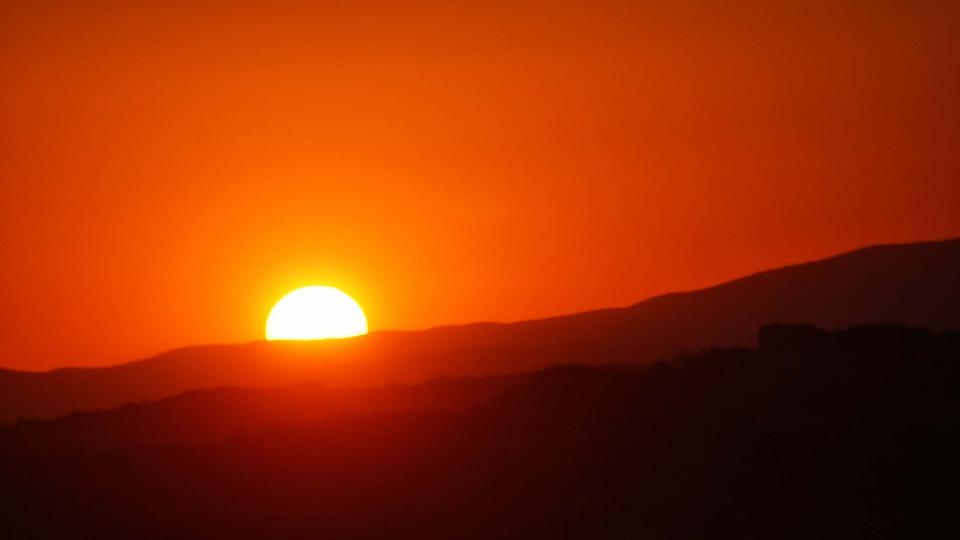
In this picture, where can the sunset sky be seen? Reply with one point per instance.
(169, 170)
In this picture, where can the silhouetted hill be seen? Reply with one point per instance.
(204, 416)
(844, 434)
(914, 283)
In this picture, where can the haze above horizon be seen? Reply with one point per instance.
(168, 172)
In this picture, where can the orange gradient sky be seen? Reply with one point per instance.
(168, 170)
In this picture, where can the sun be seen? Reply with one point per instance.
(315, 312)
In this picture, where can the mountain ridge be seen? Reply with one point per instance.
(495, 324)
(915, 283)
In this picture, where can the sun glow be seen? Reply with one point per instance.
(315, 312)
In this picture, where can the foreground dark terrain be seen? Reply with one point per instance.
(845, 434)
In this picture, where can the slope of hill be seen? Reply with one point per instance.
(845, 434)
(204, 416)
(913, 283)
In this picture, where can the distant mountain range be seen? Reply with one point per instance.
(917, 284)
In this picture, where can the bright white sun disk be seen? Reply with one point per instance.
(316, 312)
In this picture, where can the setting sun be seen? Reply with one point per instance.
(315, 312)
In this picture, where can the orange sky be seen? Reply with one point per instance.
(169, 169)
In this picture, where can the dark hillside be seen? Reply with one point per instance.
(843, 434)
